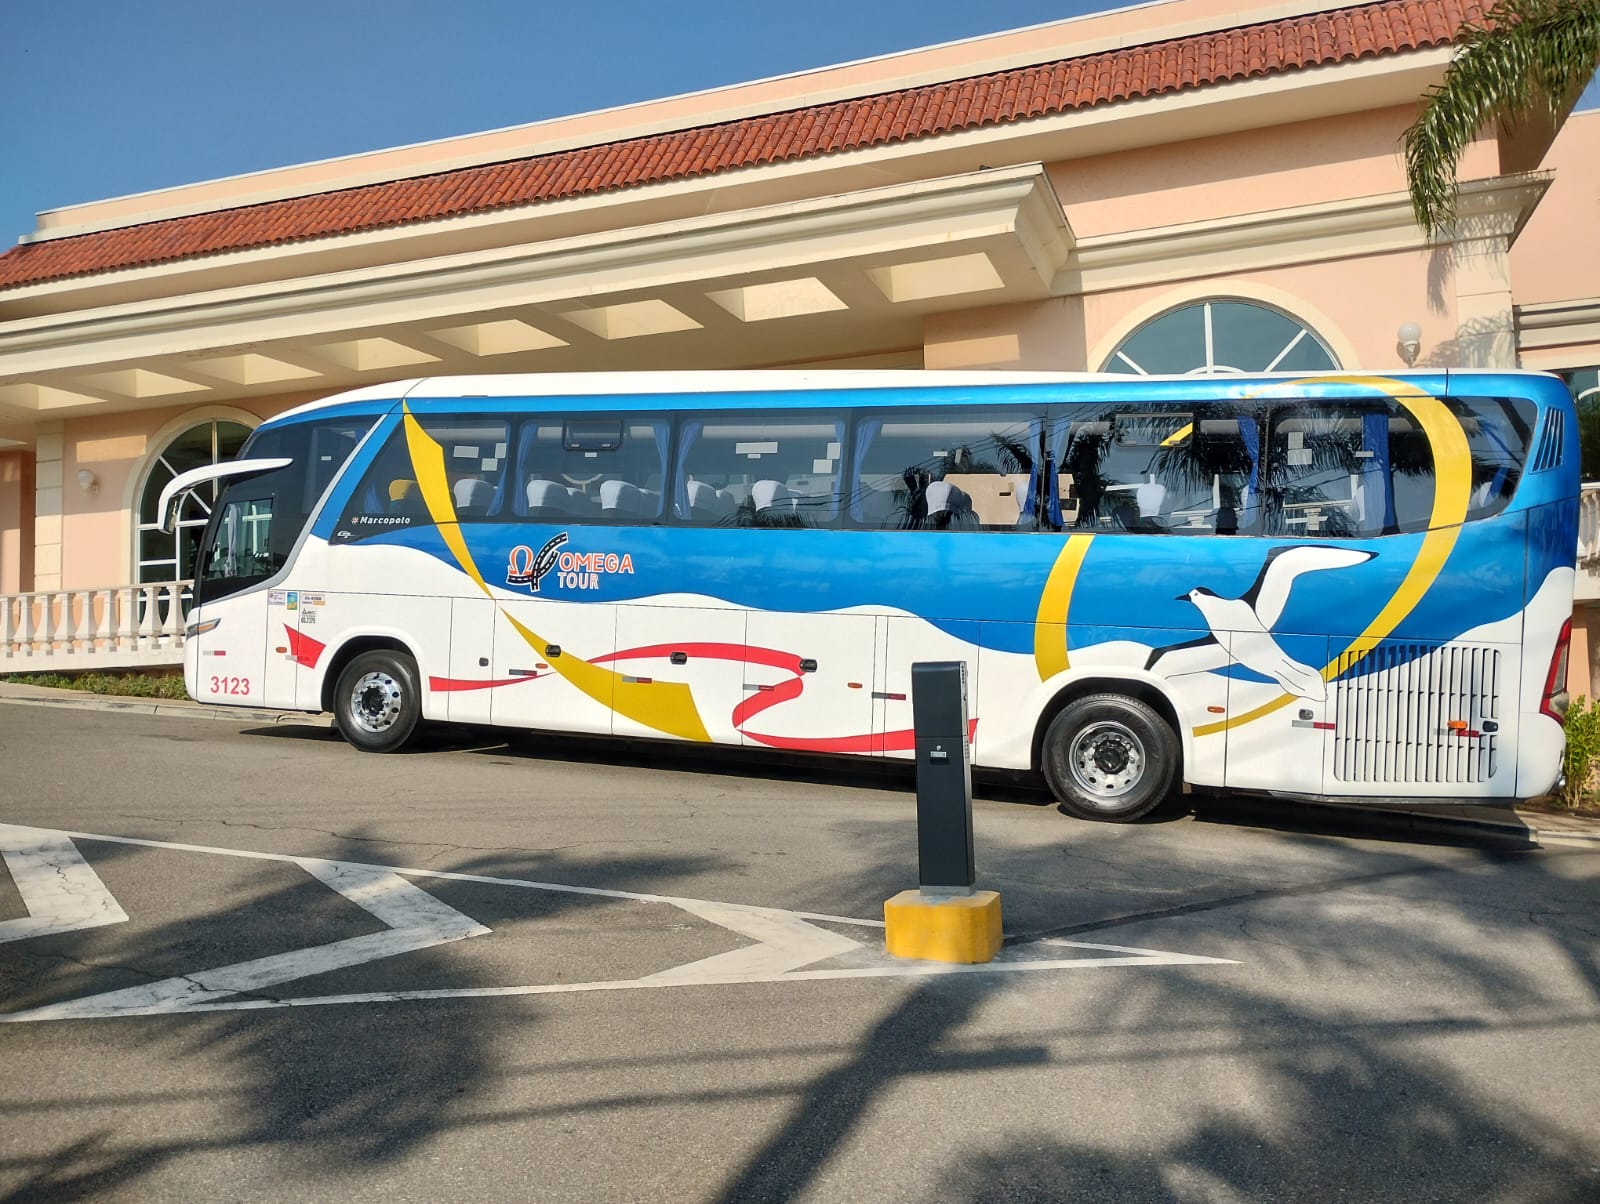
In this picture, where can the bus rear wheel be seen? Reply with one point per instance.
(1109, 757)
(377, 702)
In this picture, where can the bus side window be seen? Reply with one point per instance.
(759, 471)
(1133, 470)
(591, 469)
(474, 450)
(387, 496)
(1346, 469)
(1498, 432)
(946, 471)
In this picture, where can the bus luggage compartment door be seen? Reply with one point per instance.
(808, 682)
(910, 640)
(697, 653)
(1277, 725)
(557, 653)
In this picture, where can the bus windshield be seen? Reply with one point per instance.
(259, 519)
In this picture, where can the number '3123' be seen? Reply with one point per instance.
(230, 685)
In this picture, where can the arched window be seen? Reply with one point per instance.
(159, 556)
(1585, 386)
(1221, 335)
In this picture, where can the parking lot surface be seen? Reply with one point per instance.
(240, 960)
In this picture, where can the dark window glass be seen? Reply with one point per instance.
(259, 520)
(1348, 468)
(590, 469)
(765, 471)
(473, 452)
(946, 471)
(1499, 431)
(1220, 335)
(1187, 471)
(1345, 469)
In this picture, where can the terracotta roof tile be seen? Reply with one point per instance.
(1388, 27)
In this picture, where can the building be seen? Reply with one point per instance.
(1175, 187)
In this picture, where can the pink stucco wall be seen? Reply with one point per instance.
(1355, 305)
(1254, 171)
(16, 521)
(1544, 264)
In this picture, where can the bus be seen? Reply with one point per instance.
(1343, 586)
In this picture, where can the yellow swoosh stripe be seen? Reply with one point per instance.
(1049, 641)
(665, 706)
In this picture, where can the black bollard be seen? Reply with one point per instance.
(944, 777)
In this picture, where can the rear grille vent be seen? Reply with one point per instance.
(1393, 715)
(1548, 454)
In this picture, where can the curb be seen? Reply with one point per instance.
(1519, 826)
(72, 700)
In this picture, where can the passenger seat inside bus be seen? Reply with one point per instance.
(474, 498)
(547, 499)
(948, 507)
(619, 499)
(708, 504)
(768, 497)
(405, 498)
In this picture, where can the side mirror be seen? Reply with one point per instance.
(186, 482)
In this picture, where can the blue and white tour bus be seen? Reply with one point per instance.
(1338, 586)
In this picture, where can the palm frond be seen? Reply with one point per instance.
(1523, 58)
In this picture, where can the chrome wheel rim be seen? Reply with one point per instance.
(375, 702)
(1107, 760)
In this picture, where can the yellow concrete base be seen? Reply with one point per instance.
(960, 928)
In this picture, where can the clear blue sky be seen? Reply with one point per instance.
(101, 98)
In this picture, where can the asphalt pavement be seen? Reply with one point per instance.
(1535, 825)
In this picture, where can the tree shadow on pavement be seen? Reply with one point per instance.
(1380, 1038)
(285, 1095)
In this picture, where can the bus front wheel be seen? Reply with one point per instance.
(1109, 757)
(378, 702)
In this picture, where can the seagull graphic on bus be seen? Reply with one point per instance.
(1248, 621)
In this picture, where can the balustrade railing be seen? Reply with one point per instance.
(1589, 524)
(116, 626)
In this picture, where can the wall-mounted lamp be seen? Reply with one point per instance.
(1409, 342)
(87, 481)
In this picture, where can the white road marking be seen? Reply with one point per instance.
(415, 918)
(785, 944)
(59, 890)
(384, 893)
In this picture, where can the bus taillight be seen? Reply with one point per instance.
(1554, 701)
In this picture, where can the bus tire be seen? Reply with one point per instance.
(377, 702)
(1109, 757)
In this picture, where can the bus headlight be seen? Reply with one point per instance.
(194, 629)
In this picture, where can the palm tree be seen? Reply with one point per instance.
(1522, 58)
